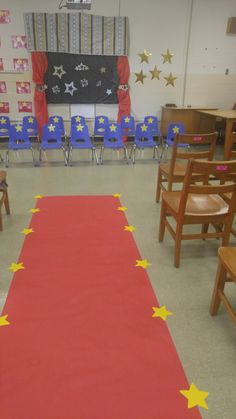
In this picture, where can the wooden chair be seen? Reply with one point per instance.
(174, 171)
(232, 156)
(226, 272)
(4, 195)
(201, 203)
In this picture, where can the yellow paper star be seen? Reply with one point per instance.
(129, 228)
(175, 130)
(51, 128)
(144, 56)
(127, 119)
(117, 195)
(34, 210)
(143, 263)
(195, 396)
(161, 312)
(79, 127)
(150, 120)
(56, 119)
(4, 321)
(16, 267)
(167, 57)
(144, 128)
(3, 120)
(140, 76)
(122, 208)
(30, 120)
(170, 79)
(155, 73)
(27, 231)
(18, 128)
(112, 128)
(101, 120)
(38, 196)
(78, 119)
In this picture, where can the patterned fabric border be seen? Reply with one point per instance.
(77, 33)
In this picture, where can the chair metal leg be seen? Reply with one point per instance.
(7, 158)
(32, 151)
(101, 155)
(65, 155)
(94, 153)
(69, 156)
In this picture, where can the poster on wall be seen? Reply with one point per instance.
(18, 41)
(3, 87)
(5, 16)
(24, 106)
(23, 87)
(1, 64)
(21, 64)
(4, 107)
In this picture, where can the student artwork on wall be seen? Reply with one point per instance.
(5, 16)
(1, 64)
(23, 87)
(21, 64)
(4, 107)
(18, 41)
(3, 87)
(24, 106)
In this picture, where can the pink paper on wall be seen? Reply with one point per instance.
(18, 41)
(21, 64)
(24, 106)
(5, 16)
(4, 107)
(1, 64)
(23, 87)
(3, 87)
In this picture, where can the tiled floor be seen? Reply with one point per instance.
(206, 345)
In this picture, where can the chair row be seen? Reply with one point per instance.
(52, 139)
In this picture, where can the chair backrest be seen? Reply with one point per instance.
(113, 136)
(222, 170)
(4, 125)
(18, 137)
(127, 125)
(30, 124)
(172, 130)
(152, 121)
(143, 136)
(57, 120)
(80, 136)
(100, 123)
(78, 119)
(232, 153)
(51, 136)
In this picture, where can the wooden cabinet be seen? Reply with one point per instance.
(189, 117)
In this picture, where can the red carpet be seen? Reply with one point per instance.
(82, 342)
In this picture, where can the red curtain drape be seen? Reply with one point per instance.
(39, 66)
(123, 91)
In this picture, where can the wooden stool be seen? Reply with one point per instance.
(4, 195)
(226, 272)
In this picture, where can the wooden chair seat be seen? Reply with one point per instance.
(226, 272)
(200, 205)
(4, 195)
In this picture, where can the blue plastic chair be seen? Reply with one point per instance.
(52, 140)
(4, 126)
(100, 123)
(18, 140)
(31, 125)
(77, 119)
(113, 140)
(58, 121)
(80, 139)
(144, 139)
(128, 125)
(172, 130)
(152, 122)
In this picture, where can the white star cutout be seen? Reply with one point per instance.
(58, 71)
(70, 88)
(109, 92)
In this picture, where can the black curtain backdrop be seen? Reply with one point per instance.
(72, 78)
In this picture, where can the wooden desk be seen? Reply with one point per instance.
(188, 116)
(230, 118)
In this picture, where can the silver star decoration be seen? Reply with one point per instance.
(70, 88)
(103, 70)
(109, 92)
(59, 71)
(56, 89)
(99, 83)
(81, 67)
(84, 82)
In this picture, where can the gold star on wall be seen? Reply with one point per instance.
(129, 228)
(170, 80)
(144, 56)
(155, 73)
(140, 76)
(143, 263)
(195, 396)
(161, 312)
(167, 57)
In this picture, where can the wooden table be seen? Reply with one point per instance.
(230, 118)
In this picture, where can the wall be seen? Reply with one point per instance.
(198, 65)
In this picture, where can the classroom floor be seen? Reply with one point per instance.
(205, 344)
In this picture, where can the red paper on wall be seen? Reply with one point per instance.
(4, 107)
(3, 87)
(5, 16)
(1, 64)
(23, 87)
(21, 64)
(24, 106)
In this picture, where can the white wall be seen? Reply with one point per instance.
(154, 25)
